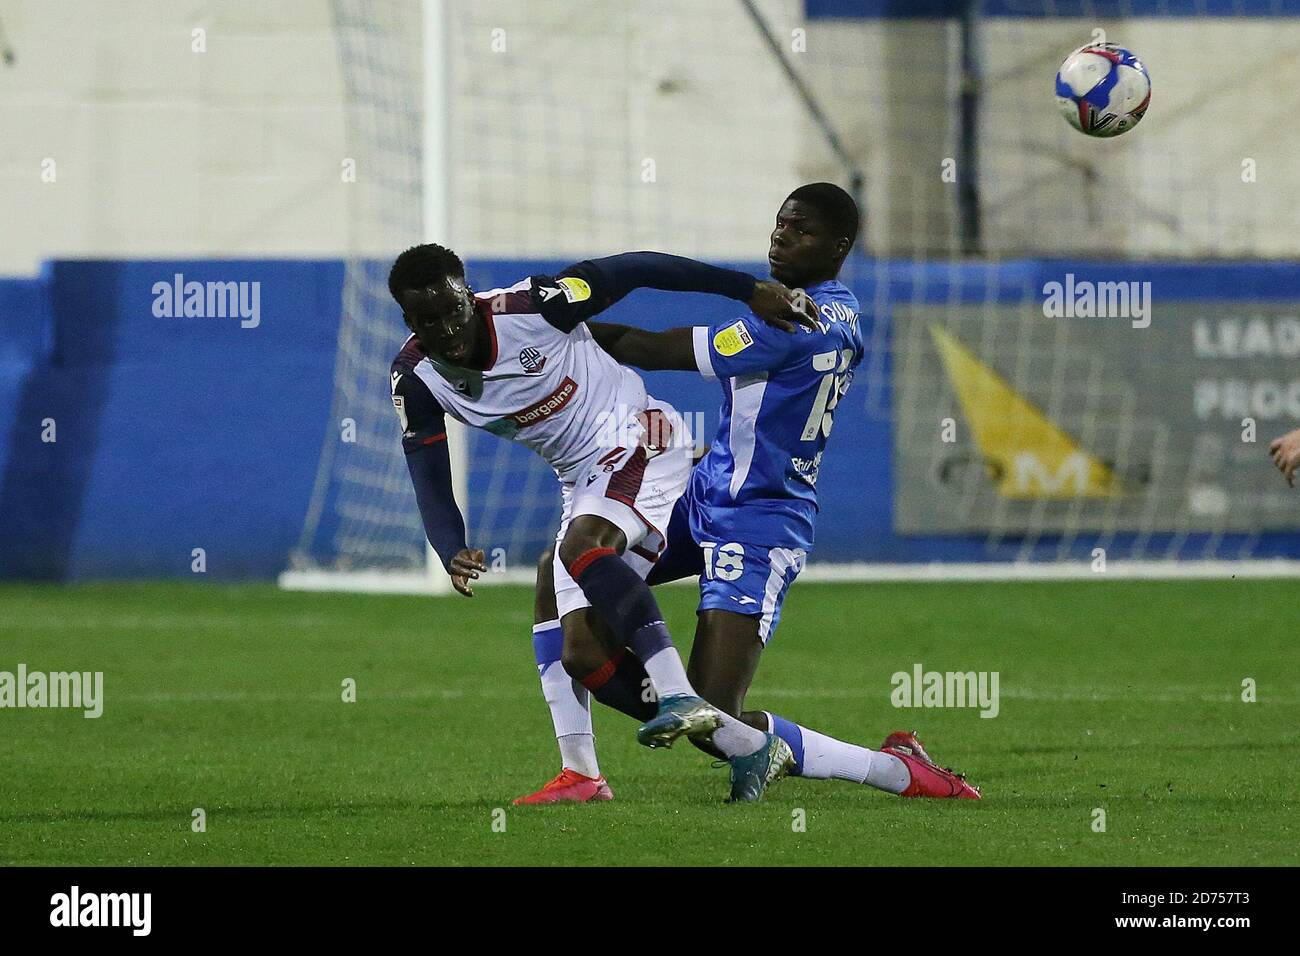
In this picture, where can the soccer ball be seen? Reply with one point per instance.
(1103, 89)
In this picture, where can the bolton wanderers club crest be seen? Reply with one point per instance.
(532, 360)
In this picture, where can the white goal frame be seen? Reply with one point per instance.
(435, 190)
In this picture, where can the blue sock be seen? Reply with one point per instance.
(548, 643)
(791, 734)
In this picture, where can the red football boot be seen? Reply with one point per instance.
(928, 780)
(570, 785)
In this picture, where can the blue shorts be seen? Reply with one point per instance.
(734, 576)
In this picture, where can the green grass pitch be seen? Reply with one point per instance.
(1124, 696)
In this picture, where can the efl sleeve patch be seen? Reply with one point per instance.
(732, 340)
(568, 301)
(575, 289)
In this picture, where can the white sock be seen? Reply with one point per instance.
(667, 673)
(735, 738)
(888, 773)
(578, 752)
(570, 705)
(825, 758)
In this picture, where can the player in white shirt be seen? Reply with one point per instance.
(519, 363)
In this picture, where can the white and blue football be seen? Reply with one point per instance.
(1103, 89)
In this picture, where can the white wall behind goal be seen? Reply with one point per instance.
(1224, 90)
(161, 151)
(559, 108)
(591, 127)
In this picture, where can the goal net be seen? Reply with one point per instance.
(362, 531)
(995, 422)
(572, 131)
(1082, 390)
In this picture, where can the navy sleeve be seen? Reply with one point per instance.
(430, 468)
(423, 420)
(587, 288)
(424, 439)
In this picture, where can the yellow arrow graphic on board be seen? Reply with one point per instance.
(1034, 458)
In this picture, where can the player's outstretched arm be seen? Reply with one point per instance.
(430, 469)
(736, 348)
(652, 351)
(424, 439)
(605, 281)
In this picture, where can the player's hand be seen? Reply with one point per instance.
(465, 566)
(1286, 454)
(782, 308)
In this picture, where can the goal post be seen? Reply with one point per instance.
(435, 192)
(374, 542)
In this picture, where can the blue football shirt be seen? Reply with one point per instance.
(758, 482)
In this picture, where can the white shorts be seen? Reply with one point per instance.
(633, 487)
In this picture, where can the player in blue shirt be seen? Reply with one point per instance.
(745, 524)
